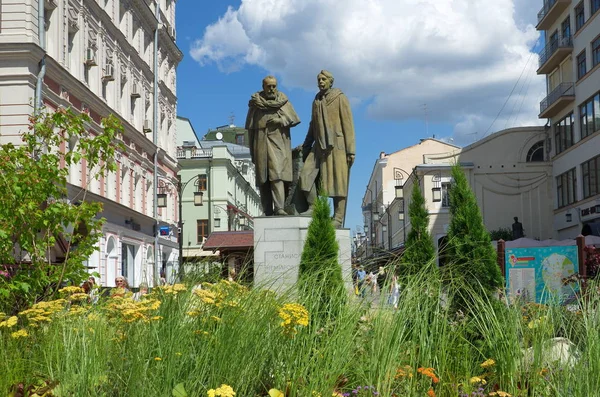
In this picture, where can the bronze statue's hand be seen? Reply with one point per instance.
(350, 159)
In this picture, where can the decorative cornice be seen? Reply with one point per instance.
(167, 42)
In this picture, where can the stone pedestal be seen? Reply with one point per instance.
(278, 244)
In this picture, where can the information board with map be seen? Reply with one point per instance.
(536, 274)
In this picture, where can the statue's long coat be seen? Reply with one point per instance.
(330, 139)
(271, 147)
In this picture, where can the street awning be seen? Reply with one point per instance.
(230, 241)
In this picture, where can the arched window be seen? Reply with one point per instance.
(536, 153)
(111, 247)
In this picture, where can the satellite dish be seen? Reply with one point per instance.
(219, 136)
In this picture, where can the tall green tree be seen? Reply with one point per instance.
(472, 258)
(419, 245)
(320, 276)
(47, 231)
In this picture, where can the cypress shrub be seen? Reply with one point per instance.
(320, 277)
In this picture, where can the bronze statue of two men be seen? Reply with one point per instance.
(328, 150)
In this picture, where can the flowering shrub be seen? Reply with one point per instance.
(173, 289)
(130, 311)
(293, 315)
(223, 391)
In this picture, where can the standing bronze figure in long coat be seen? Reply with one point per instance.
(329, 147)
(270, 117)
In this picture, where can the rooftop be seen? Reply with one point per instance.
(230, 240)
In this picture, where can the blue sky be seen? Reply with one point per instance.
(389, 58)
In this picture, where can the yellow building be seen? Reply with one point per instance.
(508, 171)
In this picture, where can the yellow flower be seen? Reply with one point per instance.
(11, 322)
(93, 317)
(20, 334)
(500, 393)
(488, 363)
(215, 318)
(477, 379)
(276, 393)
(70, 290)
(223, 391)
(157, 359)
(293, 315)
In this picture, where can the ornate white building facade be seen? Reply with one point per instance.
(104, 57)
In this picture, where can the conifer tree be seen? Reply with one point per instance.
(320, 277)
(419, 245)
(472, 257)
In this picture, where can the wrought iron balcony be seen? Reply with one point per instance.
(554, 53)
(557, 100)
(550, 11)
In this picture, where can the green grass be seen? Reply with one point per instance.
(239, 341)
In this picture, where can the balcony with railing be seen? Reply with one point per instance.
(554, 53)
(550, 12)
(561, 97)
(193, 153)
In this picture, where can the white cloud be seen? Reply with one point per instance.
(461, 57)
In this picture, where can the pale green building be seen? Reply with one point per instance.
(223, 175)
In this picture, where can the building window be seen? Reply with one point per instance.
(581, 65)
(202, 230)
(589, 116)
(239, 139)
(590, 170)
(446, 194)
(594, 6)
(536, 153)
(563, 133)
(566, 187)
(566, 27)
(553, 41)
(596, 51)
(579, 16)
(202, 182)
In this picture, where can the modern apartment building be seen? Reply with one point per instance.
(102, 57)
(218, 189)
(571, 62)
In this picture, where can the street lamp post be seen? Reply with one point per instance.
(198, 201)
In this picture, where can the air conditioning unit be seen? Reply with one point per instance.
(147, 126)
(171, 31)
(90, 57)
(109, 72)
(135, 91)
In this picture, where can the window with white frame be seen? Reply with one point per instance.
(446, 186)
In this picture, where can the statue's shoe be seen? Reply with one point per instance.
(308, 212)
(280, 212)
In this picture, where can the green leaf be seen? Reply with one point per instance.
(179, 391)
